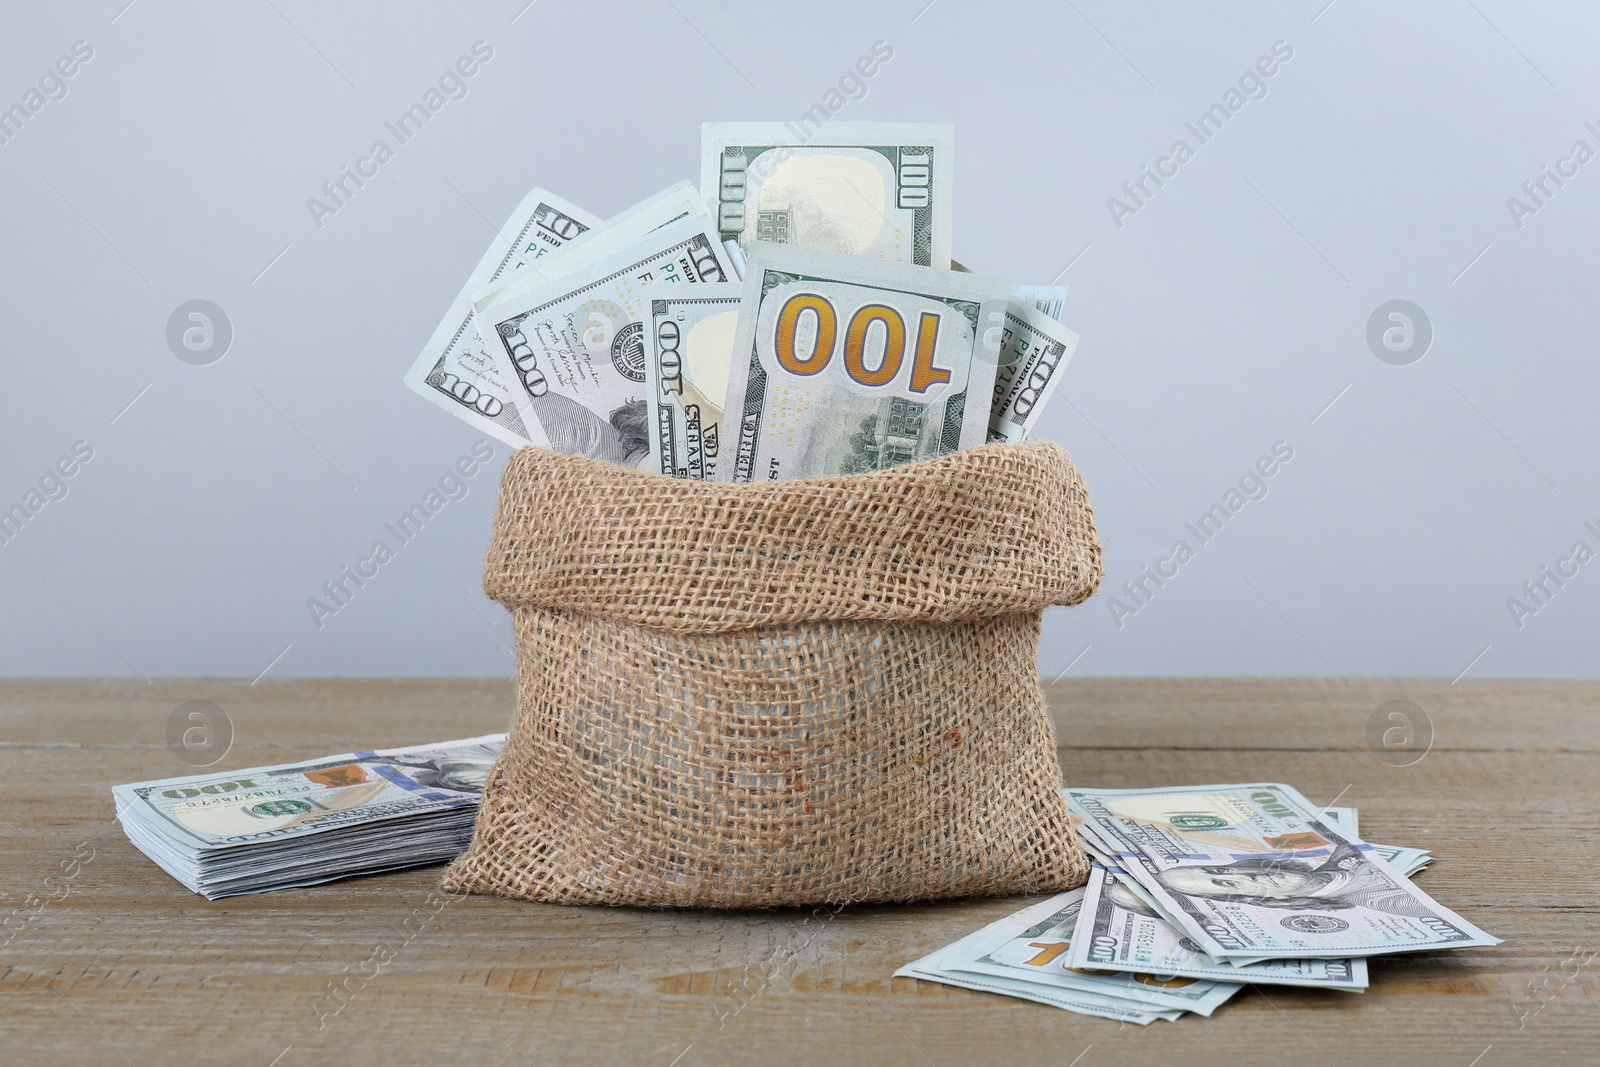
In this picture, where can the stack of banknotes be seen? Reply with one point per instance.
(799, 315)
(297, 824)
(1198, 891)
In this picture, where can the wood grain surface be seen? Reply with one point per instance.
(118, 964)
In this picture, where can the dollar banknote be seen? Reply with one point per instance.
(296, 824)
(1119, 929)
(1050, 299)
(455, 369)
(606, 239)
(672, 204)
(1253, 871)
(943, 966)
(577, 346)
(690, 332)
(931, 968)
(1347, 820)
(875, 189)
(1034, 945)
(842, 364)
(1407, 861)
(1034, 350)
(1125, 1011)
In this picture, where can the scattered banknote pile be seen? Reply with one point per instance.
(298, 824)
(1197, 891)
(804, 318)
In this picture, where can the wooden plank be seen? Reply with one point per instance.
(1321, 714)
(126, 966)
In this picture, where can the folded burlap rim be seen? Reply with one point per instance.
(983, 532)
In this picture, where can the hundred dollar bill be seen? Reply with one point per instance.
(875, 189)
(690, 333)
(1252, 872)
(1082, 1003)
(1034, 351)
(1033, 946)
(1050, 299)
(610, 237)
(844, 365)
(1127, 887)
(297, 824)
(1347, 820)
(936, 967)
(672, 204)
(576, 344)
(454, 369)
(1119, 930)
(1407, 861)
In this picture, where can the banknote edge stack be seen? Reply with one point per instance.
(417, 805)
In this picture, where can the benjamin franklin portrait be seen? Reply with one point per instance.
(1342, 880)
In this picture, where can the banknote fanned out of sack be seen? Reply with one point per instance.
(781, 693)
(797, 316)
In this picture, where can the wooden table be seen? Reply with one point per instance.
(107, 960)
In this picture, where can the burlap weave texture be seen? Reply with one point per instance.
(788, 693)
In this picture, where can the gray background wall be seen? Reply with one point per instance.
(1226, 314)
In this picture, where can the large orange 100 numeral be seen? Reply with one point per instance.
(894, 344)
(924, 372)
(788, 324)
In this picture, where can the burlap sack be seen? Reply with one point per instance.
(786, 693)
